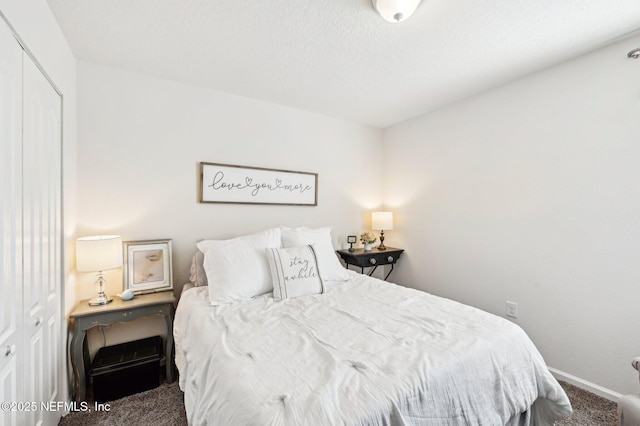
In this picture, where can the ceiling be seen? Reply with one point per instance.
(339, 57)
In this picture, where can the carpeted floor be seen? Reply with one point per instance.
(164, 406)
(588, 409)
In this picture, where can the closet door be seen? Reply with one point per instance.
(42, 275)
(11, 343)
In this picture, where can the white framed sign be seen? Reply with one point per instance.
(225, 183)
(147, 266)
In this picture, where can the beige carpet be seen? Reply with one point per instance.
(589, 409)
(163, 406)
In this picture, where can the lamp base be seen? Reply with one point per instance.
(100, 300)
(381, 246)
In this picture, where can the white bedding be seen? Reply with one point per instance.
(364, 352)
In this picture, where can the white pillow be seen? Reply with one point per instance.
(328, 263)
(294, 272)
(237, 268)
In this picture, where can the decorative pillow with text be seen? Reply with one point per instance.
(294, 272)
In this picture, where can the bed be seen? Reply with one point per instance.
(361, 351)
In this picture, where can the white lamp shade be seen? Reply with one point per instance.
(395, 10)
(99, 253)
(382, 220)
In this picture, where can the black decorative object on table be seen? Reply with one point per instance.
(351, 239)
(371, 258)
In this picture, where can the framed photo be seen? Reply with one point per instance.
(225, 183)
(351, 239)
(147, 266)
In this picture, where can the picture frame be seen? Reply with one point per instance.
(351, 240)
(227, 183)
(147, 266)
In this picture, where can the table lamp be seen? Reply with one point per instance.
(382, 221)
(99, 254)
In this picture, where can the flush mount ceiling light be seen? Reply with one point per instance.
(395, 10)
(634, 54)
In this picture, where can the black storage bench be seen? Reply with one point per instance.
(125, 369)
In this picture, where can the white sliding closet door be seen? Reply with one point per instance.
(11, 343)
(42, 229)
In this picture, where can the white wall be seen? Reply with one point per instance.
(140, 143)
(531, 193)
(36, 26)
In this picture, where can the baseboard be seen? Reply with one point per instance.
(586, 385)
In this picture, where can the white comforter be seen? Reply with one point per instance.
(364, 352)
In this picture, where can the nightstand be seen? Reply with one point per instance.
(372, 258)
(83, 317)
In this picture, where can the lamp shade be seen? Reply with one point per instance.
(99, 253)
(382, 220)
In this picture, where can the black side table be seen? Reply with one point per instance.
(372, 258)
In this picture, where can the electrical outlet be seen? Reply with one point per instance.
(511, 309)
